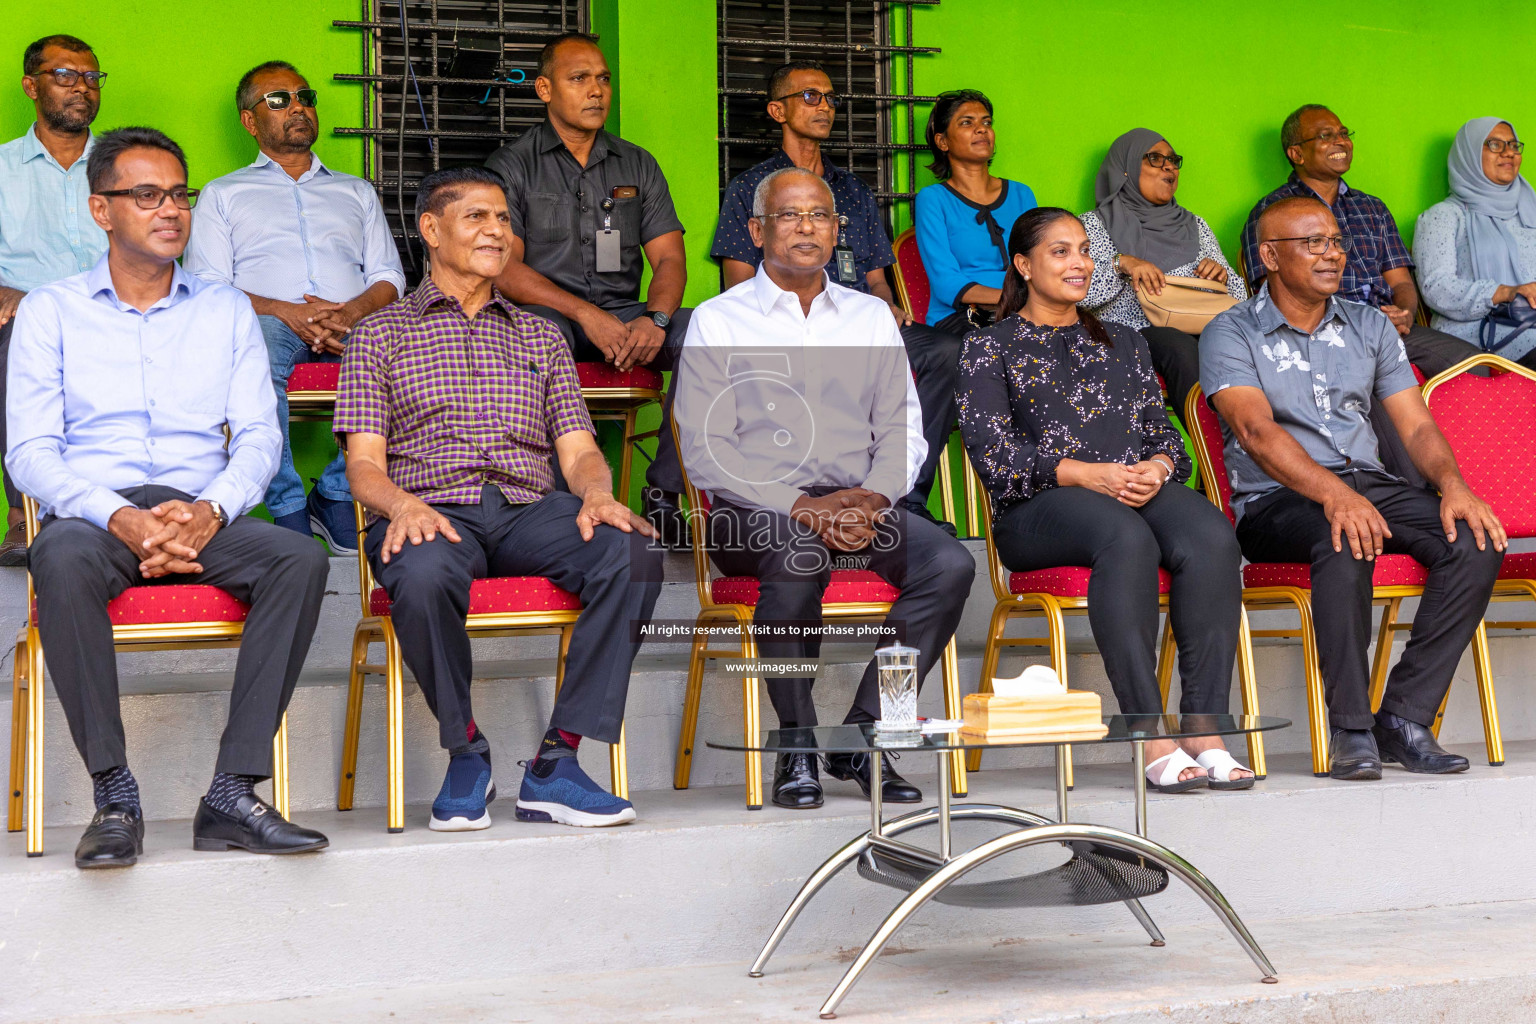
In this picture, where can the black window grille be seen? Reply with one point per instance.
(448, 82)
(873, 75)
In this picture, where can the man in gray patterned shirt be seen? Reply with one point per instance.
(1294, 373)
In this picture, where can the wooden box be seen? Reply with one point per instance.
(1074, 715)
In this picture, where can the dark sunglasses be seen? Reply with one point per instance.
(813, 98)
(279, 100)
(151, 198)
(67, 77)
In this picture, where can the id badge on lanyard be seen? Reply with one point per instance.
(847, 269)
(610, 256)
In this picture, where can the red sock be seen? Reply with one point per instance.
(571, 739)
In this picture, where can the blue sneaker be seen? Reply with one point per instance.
(467, 788)
(569, 796)
(334, 522)
(298, 522)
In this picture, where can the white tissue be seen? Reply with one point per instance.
(1034, 681)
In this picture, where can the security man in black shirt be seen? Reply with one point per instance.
(585, 205)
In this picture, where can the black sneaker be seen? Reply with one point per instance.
(671, 524)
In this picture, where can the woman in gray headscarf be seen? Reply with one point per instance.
(1139, 234)
(1477, 248)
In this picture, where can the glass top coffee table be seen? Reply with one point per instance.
(1107, 865)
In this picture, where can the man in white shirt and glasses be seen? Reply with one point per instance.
(310, 246)
(797, 413)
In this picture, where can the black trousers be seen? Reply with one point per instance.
(617, 576)
(666, 471)
(77, 567)
(1287, 527)
(933, 570)
(1123, 546)
(1176, 356)
(934, 356)
(12, 495)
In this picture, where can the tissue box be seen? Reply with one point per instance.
(1073, 715)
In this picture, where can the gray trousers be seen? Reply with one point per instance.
(77, 567)
(12, 495)
(617, 576)
(933, 570)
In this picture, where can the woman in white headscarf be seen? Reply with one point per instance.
(1477, 248)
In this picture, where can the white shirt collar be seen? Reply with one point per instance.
(770, 294)
(315, 166)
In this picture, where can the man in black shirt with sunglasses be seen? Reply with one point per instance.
(801, 100)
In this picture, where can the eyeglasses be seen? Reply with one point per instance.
(279, 100)
(1317, 245)
(795, 218)
(1328, 135)
(813, 98)
(68, 77)
(1159, 160)
(151, 198)
(1500, 145)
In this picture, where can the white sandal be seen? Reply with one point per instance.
(1219, 765)
(1167, 780)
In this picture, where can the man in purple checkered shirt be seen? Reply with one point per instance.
(452, 401)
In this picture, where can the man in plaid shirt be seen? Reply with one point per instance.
(452, 401)
(1377, 270)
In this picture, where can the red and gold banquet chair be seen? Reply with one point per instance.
(912, 292)
(854, 595)
(1276, 586)
(312, 390)
(618, 396)
(1051, 594)
(498, 606)
(1491, 425)
(163, 617)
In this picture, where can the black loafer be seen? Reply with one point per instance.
(893, 788)
(256, 826)
(796, 784)
(664, 513)
(1353, 756)
(1414, 747)
(113, 839)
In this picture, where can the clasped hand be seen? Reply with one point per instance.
(625, 345)
(1133, 485)
(845, 520)
(167, 538)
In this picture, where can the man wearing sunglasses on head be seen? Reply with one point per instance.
(46, 230)
(310, 246)
(1296, 373)
(802, 102)
(589, 211)
(142, 421)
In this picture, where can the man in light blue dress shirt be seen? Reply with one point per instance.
(142, 421)
(46, 230)
(311, 248)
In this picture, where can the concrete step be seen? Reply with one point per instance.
(1442, 965)
(698, 880)
(175, 703)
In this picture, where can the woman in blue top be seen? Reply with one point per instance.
(964, 220)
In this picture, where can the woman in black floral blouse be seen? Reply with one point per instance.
(1066, 425)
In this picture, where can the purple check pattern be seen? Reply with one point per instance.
(463, 402)
(1377, 245)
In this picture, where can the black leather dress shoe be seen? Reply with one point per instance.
(113, 839)
(893, 788)
(663, 512)
(255, 826)
(796, 783)
(1414, 747)
(1353, 756)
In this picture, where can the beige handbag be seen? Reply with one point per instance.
(1187, 303)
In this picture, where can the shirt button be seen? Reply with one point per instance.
(151, 401)
(586, 240)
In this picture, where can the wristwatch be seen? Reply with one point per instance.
(218, 511)
(660, 319)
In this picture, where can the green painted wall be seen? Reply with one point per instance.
(1217, 80)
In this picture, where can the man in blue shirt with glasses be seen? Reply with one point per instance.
(46, 230)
